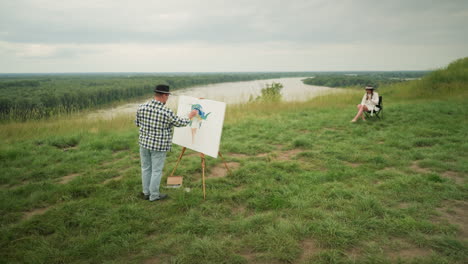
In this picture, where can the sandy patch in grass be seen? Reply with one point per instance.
(38, 211)
(236, 155)
(312, 165)
(409, 253)
(390, 173)
(309, 248)
(113, 179)
(261, 155)
(68, 178)
(119, 177)
(454, 176)
(22, 183)
(455, 213)
(116, 153)
(415, 167)
(241, 210)
(153, 260)
(220, 170)
(279, 155)
(353, 164)
(405, 250)
(249, 256)
(288, 154)
(107, 163)
(403, 205)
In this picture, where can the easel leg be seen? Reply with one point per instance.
(225, 164)
(203, 174)
(178, 160)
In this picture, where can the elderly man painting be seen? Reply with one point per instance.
(156, 121)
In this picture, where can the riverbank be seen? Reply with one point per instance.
(231, 93)
(306, 186)
(38, 96)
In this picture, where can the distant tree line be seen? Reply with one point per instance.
(34, 96)
(25, 97)
(362, 78)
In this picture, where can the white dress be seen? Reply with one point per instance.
(372, 102)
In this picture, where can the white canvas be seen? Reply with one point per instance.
(204, 133)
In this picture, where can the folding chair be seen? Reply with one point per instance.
(378, 113)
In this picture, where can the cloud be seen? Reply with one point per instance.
(233, 21)
(200, 57)
(217, 35)
(32, 51)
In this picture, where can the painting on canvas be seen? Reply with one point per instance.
(203, 134)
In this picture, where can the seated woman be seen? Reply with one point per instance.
(368, 103)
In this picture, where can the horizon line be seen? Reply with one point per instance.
(210, 72)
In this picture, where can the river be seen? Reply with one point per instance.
(230, 92)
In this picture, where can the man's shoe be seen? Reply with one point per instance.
(161, 197)
(144, 196)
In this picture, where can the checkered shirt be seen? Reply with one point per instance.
(156, 121)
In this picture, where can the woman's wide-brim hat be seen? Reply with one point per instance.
(369, 88)
(162, 88)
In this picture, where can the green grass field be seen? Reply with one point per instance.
(307, 186)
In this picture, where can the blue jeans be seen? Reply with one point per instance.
(152, 164)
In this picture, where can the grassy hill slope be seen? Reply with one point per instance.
(306, 186)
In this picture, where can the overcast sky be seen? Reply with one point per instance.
(250, 35)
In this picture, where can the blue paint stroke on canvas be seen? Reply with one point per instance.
(200, 116)
(197, 120)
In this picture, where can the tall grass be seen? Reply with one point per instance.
(62, 125)
(450, 82)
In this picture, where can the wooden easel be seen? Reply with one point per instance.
(203, 165)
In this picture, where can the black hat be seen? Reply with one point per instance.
(162, 88)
